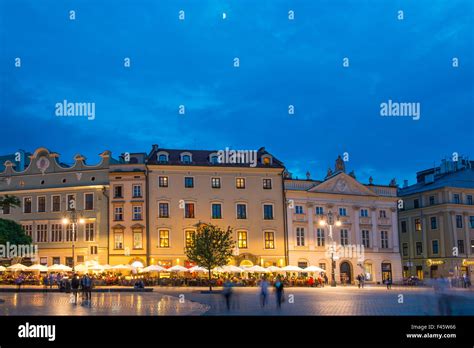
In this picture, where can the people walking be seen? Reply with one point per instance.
(362, 280)
(227, 292)
(359, 281)
(388, 282)
(279, 292)
(75, 282)
(263, 292)
(86, 284)
(326, 280)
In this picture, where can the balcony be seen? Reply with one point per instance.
(365, 220)
(384, 221)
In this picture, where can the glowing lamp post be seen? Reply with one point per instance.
(330, 222)
(73, 219)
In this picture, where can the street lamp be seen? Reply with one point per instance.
(330, 222)
(73, 219)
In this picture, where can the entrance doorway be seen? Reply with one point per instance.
(386, 271)
(345, 272)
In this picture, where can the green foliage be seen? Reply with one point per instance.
(8, 201)
(210, 246)
(12, 232)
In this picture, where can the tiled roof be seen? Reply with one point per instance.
(461, 179)
(202, 158)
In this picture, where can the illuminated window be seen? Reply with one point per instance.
(137, 238)
(417, 225)
(240, 183)
(320, 237)
(189, 210)
(90, 232)
(269, 240)
(118, 240)
(242, 239)
(216, 182)
(163, 181)
(189, 238)
(42, 233)
(164, 238)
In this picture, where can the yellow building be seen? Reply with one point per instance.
(188, 187)
(437, 222)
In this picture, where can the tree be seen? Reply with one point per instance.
(12, 232)
(210, 247)
(8, 201)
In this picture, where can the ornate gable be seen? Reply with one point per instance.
(342, 183)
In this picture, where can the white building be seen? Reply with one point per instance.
(365, 228)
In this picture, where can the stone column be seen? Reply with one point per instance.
(310, 214)
(375, 244)
(466, 233)
(395, 236)
(357, 238)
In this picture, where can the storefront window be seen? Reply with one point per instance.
(386, 271)
(368, 271)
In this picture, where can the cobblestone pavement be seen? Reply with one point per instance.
(245, 301)
(332, 301)
(102, 304)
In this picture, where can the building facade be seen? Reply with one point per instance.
(48, 191)
(437, 222)
(366, 240)
(191, 187)
(128, 210)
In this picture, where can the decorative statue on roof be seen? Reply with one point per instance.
(352, 174)
(308, 175)
(371, 180)
(393, 182)
(340, 166)
(329, 173)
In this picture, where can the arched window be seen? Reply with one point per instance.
(163, 157)
(214, 159)
(186, 157)
(267, 160)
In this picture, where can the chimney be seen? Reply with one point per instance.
(405, 183)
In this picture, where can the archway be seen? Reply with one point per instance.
(345, 271)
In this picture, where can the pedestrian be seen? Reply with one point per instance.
(311, 281)
(279, 292)
(86, 284)
(51, 280)
(263, 292)
(362, 279)
(227, 292)
(75, 282)
(359, 281)
(326, 280)
(388, 282)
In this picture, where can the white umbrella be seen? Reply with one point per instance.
(38, 267)
(153, 268)
(17, 267)
(292, 269)
(256, 269)
(2, 269)
(106, 267)
(59, 268)
(197, 269)
(177, 268)
(313, 269)
(137, 264)
(274, 269)
(81, 268)
(122, 267)
(232, 269)
(98, 268)
(218, 270)
(91, 263)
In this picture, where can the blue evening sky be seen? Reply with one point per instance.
(282, 62)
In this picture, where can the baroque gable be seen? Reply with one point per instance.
(342, 183)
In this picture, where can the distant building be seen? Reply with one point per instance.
(367, 238)
(437, 222)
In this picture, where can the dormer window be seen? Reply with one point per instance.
(267, 160)
(186, 158)
(162, 157)
(214, 159)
